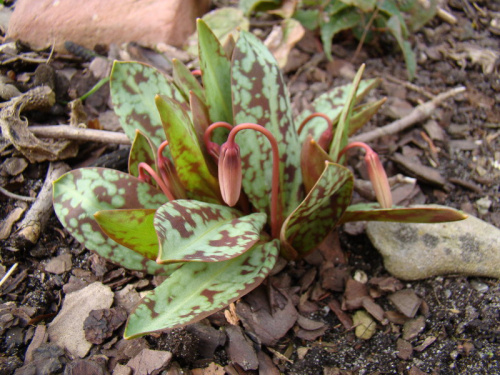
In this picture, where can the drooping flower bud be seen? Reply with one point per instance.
(378, 178)
(230, 173)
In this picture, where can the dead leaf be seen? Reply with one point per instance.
(12, 218)
(464, 52)
(283, 38)
(365, 325)
(16, 130)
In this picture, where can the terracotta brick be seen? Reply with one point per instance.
(41, 23)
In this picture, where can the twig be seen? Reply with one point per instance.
(38, 215)
(446, 16)
(15, 196)
(410, 86)
(418, 114)
(7, 275)
(79, 134)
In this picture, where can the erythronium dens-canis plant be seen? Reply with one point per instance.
(221, 179)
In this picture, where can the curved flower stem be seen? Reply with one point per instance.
(196, 72)
(146, 167)
(212, 147)
(276, 204)
(310, 117)
(376, 172)
(353, 145)
(168, 173)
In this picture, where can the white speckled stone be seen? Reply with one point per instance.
(416, 251)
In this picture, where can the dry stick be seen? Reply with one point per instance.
(38, 215)
(7, 275)
(79, 134)
(418, 114)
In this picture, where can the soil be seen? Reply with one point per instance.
(459, 316)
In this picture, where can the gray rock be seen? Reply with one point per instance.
(470, 247)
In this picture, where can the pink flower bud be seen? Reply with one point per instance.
(230, 173)
(378, 178)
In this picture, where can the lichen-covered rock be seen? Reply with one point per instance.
(416, 251)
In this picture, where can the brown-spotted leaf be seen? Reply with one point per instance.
(186, 152)
(198, 289)
(260, 96)
(79, 194)
(132, 228)
(193, 231)
(320, 211)
(133, 88)
(415, 214)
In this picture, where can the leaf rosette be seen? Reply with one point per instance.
(168, 216)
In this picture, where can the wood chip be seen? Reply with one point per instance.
(240, 349)
(428, 341)
(149, 361)
(406, 301)
(268, 325)
(419, 171)
(413, 327)
(59, 264)
(405, 349)
(344, 318)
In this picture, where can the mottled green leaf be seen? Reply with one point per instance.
(395, 27)
(185, 81)
(248, 6)
(133, 88)
(364, 5)
(320, 211)
(143, 150)
(192, 231)
(225, 23)
(216, 75)
(416, 214)
(331, 104)
(186, 153)
(343, 20)
(201, 121)
(362, 114)
(79, 194)
(340, 137)
(131, 228)
(198, 289)
(260, 96)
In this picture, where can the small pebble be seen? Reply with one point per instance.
(479, 286)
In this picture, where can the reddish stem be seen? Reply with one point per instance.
(146, 167)
(353, 145)
(212, 147)
(276, 203)
(327, 136)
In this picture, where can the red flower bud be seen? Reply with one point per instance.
(230, 173)
(378, 178)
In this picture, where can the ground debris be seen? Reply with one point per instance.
(100, 324)
(150, 362)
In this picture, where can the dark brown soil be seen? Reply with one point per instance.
(461, 314)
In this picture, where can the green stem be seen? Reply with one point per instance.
(96, 87)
